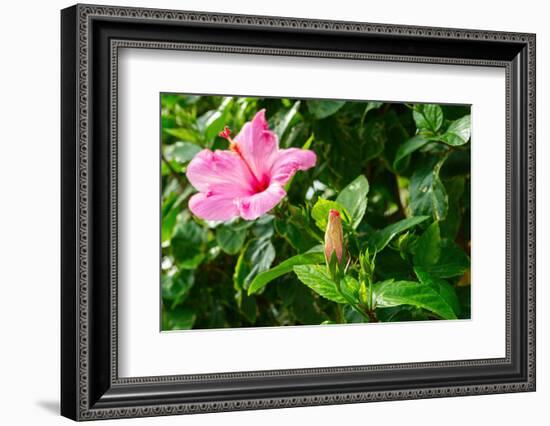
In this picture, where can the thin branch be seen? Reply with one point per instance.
(397, 195)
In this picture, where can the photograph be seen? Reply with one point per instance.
(319, 212)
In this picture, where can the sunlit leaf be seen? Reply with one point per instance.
(445, 290)
(349, 288)
(354, 198)
(458, 132)
(428, 117)
(394, 293)
(182, 133)
(316, 278)
(313, 257)
(381, 238)
(321, 210)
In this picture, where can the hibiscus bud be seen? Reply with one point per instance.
(334, 236)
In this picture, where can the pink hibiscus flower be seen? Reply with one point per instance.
(247, 180)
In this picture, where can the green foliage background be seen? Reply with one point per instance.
(399, 173)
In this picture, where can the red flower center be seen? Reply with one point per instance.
(262, 184)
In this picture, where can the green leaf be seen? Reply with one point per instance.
(401, 313)
(230, 239)
(249, 308)
(374, 134)
(394, 293)
(428, 117)
(445, 290)
(193, 262)
(286, 291)
(453, 262)
(313, 257)
(263, 226)
(304, 306)
(293, 232)
(398, 127)
(349, 288)
(457, 164)
(464, 296)
(175, 288)
(316, 278)
(247, 305)
(363, 294)
(321, 209)
(370, 107)
(187, 244)
(324, 109)
(181, 152)
(458, 132)
(307, 144)
(351, 315)
(286, 119)
(212, 122)
(428, 247)
(168, 223)
(451, 225)
(406, 149)
(255, 258)
(390, 264)
(171, 208)
(381, 238)
(427, 193)
(182, 133)
(354, 198)
(178, 319)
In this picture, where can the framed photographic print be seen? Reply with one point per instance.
(263, 212)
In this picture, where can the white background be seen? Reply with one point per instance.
(29, 223)
(146, 352)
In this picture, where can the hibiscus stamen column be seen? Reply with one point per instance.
(260, 184)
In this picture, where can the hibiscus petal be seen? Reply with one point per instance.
(258, 145)
(218, 172)
(213, 207)
(288, 161)
(256, 205)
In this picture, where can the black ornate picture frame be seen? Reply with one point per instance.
(90, 38)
